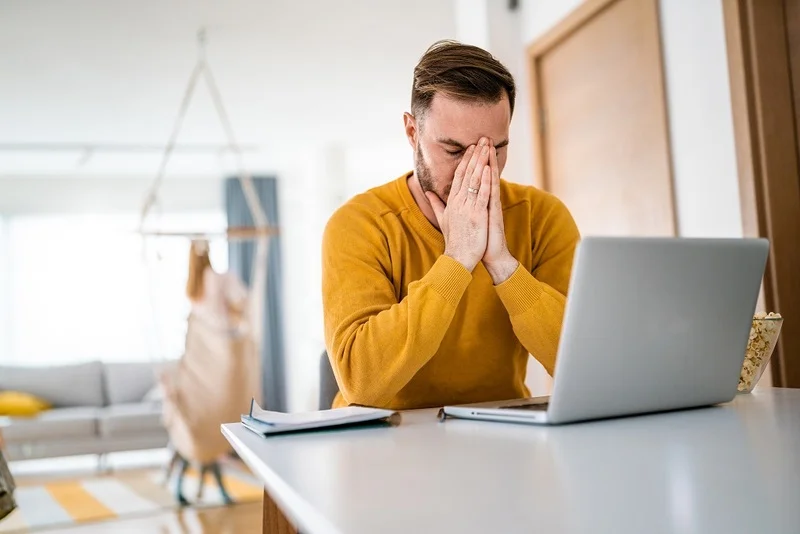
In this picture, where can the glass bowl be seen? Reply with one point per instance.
(763, 338)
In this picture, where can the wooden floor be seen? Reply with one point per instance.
(239, 519)
(244, 518)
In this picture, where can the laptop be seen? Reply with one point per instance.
(651, 325)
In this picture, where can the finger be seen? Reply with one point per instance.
(437, 205)
(477, 173)
(473, 162)
(493, 162)
(495, 180)
(458, 178)
(485, 188)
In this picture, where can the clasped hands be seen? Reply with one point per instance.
(472, 220)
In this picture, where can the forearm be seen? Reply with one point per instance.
(536, 311)
(376, 353)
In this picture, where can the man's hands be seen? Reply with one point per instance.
(472, 221)
(497, 259)
(464, 222)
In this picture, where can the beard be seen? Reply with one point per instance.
(425, 177)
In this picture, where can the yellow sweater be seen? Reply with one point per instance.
(407, 327)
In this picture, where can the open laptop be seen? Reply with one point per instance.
(651, 325)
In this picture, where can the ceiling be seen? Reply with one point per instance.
(92, 87)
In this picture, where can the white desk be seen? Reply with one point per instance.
(729, 469)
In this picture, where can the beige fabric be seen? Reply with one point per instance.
(224, 301)
(216, 377)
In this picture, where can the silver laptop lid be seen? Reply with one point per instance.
(655, 324)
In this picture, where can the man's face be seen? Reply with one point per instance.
(447, 129)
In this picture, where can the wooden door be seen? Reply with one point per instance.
(763, 42)
(600, 121)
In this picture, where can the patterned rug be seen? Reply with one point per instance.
(66, 502)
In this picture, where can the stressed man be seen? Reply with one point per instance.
(438, 284)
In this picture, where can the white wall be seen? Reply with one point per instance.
(700, 118)
(472, 22)
(538, 16)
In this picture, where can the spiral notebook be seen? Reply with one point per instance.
(265, 422)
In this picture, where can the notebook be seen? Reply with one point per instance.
(265, 422)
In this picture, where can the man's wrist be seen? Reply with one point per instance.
(460, 258)
(502, 269)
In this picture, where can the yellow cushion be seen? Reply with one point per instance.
(20, 404)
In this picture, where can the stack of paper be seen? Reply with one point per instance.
(265, 422)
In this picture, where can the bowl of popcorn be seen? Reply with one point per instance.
(763, 338)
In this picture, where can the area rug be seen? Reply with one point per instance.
(66, 502)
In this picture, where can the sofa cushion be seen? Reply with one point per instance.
(61, 385)
(128, 419)
(21, 404)
(56, 424)
(128, 382)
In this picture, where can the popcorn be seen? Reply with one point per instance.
(763, 336)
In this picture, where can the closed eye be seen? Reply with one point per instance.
(459, 152)
(456, 154)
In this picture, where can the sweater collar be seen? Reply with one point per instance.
(420, 221)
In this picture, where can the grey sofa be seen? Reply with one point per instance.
(97, 408)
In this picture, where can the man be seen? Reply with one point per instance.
(437, 285)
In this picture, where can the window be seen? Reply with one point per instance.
(83, 287)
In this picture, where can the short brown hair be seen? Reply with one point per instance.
(460, 71)
(199, 261)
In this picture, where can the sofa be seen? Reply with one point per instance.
(97, 408)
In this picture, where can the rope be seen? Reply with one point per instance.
(152, 194)
(245, 179)
(258, 269)
(250, 196)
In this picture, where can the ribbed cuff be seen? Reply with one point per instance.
(520, 292)
(449, 278)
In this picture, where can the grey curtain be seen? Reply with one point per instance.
(240, 260)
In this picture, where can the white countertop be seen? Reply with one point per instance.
(729, 469)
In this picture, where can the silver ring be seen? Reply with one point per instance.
(472, 190)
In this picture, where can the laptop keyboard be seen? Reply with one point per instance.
(534, 406)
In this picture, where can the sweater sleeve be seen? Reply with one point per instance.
(535, 300)
(375, 342)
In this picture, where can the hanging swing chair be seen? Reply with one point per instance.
(218, 374)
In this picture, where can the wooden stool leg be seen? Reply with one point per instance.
(170, 467)
(184, 466)
(274, 520)
(202, 482)
(218, 477)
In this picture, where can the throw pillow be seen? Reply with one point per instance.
(21, 404)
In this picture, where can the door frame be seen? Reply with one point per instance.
(767, 160)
